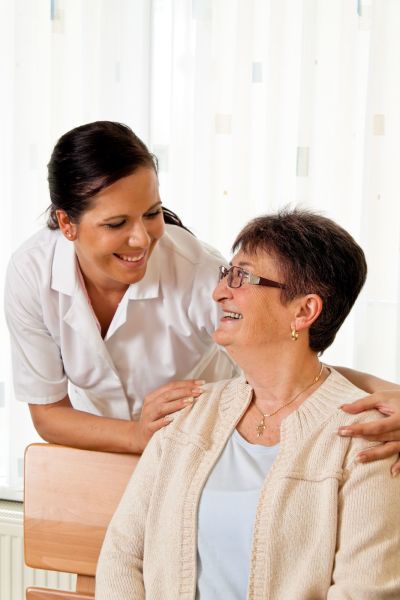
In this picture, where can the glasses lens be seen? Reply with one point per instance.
(235, 277)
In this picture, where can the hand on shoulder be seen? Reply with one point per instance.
(386, 430)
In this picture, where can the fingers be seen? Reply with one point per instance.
(150, 423)
(171, 397)
(160, 423)
(395, 469)
(160, 405)
(384, 451)
(158, 411)
(387, 402)
(382, 430)
(366, 404)
(170, 390)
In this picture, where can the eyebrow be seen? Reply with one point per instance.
(243, 263)
(152, 207)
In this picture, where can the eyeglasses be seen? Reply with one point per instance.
(236, 276)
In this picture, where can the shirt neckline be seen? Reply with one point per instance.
(254, 448)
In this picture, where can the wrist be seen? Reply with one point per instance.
(135, 444)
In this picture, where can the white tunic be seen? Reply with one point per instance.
(160, 331)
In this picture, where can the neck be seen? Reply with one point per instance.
(276, 381)
(95, 289)
(101, 287)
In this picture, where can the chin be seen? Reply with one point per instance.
(135, 278)
(129, 278)
(220, 338)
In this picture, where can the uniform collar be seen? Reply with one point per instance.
(64, 275)
(149, 286)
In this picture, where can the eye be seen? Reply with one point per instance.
(115, 225)
(152, 214)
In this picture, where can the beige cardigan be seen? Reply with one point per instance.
(326, 526)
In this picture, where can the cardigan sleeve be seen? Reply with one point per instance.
(367, 560)
(119, 574)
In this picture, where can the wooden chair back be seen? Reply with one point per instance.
(70, 496)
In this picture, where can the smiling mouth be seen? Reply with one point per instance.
(232, 315)
(130, 259)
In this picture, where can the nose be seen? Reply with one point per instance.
(138, 236)
(222, 291)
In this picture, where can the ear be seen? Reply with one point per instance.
(68, 228)
(308, 309)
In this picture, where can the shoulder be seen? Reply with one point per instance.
(191, 264)
(344, 392)
(221, 402)
(30, 266)
(188, 248)
(29, 273)
(36, 251)
(321, 412)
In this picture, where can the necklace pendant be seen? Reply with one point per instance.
(260, 428)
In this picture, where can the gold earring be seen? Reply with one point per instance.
(294, 334)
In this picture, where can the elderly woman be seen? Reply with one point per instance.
(250, 492)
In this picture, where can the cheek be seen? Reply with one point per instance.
(263, 318)
(108, 242)
(156, 228)
(155, 231)
(256, 327)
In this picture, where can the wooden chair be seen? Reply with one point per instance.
(70, 496)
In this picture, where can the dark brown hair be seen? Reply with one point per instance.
(88, 159)
(314, 256)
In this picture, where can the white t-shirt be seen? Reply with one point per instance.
(160, 331)
(227, 511)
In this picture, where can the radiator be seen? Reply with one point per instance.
(15, 577)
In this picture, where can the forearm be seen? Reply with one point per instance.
(62, 424)
(365, 381)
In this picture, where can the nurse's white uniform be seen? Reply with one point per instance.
(160, 331)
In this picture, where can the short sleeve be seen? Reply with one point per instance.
(38, 372)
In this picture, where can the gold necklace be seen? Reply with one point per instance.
(261, 425)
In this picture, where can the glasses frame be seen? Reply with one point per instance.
(246, 276)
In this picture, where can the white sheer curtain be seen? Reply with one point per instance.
(267, 103)
(63, 63)
(249, 104)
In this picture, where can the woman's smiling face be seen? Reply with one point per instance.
(252, 315)
(116, 235)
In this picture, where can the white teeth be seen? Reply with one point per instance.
(130, 258)
(233, 315)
